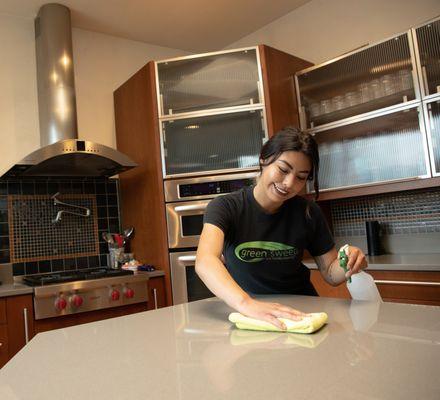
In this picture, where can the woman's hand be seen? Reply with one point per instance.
(356, 260)
(269, 312)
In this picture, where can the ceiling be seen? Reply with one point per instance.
(191, 25)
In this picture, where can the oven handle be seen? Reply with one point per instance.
(191, 207)
(187, 259)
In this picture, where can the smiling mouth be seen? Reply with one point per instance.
(280, 191)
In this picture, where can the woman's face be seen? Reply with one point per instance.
(285, 177)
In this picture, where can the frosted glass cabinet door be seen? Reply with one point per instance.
(377, 77)
(213, 143)
(380, 149)
(434, 128)
(202, 83)
(428, 40)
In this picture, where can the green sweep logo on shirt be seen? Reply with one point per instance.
(258, 251)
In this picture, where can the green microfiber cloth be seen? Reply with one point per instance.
(308, 324)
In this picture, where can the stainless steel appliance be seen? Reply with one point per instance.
(73, 292)
(187, 200)
(61, 153)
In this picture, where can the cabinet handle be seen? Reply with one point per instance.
(419, 283)
(155, 298)
(26, 328)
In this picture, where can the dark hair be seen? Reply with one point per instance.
(292, 139)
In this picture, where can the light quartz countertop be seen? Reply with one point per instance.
(190, 351)
(397, 262)
(14, 289)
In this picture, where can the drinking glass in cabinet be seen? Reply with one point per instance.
(379, 149)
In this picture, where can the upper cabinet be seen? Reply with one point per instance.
(428, 55)
(206, 82)
(375, 114)
(377, 77)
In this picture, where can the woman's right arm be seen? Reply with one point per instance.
(214, 274)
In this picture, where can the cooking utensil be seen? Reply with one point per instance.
(108, 237)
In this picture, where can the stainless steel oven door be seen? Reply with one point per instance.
(185, 223)
(186, 284)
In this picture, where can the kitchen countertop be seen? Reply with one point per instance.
(190, 351)
(397, 262)
(14, 289)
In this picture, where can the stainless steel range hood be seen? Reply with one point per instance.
(61, 152)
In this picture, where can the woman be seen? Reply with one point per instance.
(263, 230)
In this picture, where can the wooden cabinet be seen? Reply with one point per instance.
(137, 121)
(416, 287)
(16, 325)
(156, 293)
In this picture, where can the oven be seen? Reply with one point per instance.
(187, 200)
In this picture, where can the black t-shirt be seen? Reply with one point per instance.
(263, 252)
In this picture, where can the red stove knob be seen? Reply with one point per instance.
(128, 293)
(114, 295)
(76, 301)
(60, 303)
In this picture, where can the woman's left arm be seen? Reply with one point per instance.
(333, 273)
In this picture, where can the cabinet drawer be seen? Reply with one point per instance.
(3, 345)
(2, 311)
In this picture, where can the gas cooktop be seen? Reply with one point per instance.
(71, 276)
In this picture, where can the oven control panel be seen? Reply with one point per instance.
(206, 187)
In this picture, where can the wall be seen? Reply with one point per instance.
(323, 29)
(102, 63)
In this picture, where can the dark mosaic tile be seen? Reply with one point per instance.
(113, 212)
(77, 187)
(28, 188)
(4, 256)
(41, 187)
(31, 267)
(69, 263)
(52, 188)
(112, 186)
(100, 188)
(103, 259)
(18, 269)
(65, 187)
(94, 261)
(44, 266)
(102, 212)
(103, 224)
(103, 248)
(3, 203)
(3, 216)
(101, 200)
(112, 200)
(58, 265)
(82, 262)
(3, 188)
(89, 187)
(4, 242)
(4, 229)
(14, 187)
(113, 225)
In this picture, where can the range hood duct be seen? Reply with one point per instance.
(61, 152)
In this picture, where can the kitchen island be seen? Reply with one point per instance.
(191, 351)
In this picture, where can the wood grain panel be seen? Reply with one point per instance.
(279, 88)
(4, 351)
(142, 195)
(2, 311)
(158, 284)
(16, 332)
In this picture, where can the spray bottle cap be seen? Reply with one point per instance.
(343, 259)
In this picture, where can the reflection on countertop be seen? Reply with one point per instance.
(191, 351)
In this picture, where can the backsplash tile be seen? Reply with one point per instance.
(105, 192)
(403, 213)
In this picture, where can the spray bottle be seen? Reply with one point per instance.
(361, 285)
